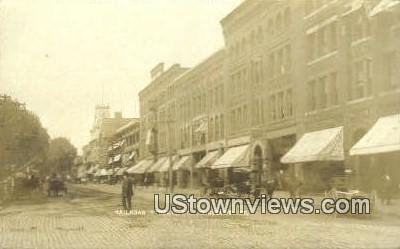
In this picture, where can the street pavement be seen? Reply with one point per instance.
(87, 218)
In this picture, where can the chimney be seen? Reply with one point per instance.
(118, 115)
(157, 70)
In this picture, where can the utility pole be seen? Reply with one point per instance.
(170, 170)
(168, 121)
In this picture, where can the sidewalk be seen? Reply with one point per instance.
(116, 189)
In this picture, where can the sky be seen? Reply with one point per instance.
(62, 57)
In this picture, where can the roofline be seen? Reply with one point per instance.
(236, 10)
(131, 123)
(207, 59)
(162, 75)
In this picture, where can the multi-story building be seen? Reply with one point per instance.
(261, 40)
(96, 151)
(123, 151)
(345, 82)
(297, 82)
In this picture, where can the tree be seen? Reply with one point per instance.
(23, 140)
(61, 155)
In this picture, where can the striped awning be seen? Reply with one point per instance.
(322, 145)
(234, 157)
(183, 164)
(158, 164)
(207, 160)
(141, 167)
(383, 137)
(165, 166)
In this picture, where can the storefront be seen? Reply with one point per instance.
(320, 156)
(234, 165)
(381, 144)
(139, 171)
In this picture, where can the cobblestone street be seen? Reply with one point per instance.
(87, 219)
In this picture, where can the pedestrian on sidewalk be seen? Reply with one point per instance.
(127, 191)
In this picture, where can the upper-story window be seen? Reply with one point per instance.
(322, 41)
(244, 46)
(252, 38)
(281, 108)
(287, 17)
(312, 98)
(322, 92)
(260, 34)
(287, 58)
(360, 28)
(278, 22)
(322, 45)
(217, 130)
(221, 120)
(272, 106)
(270, 27)
(211, 129)
(392, 65)
(333, 89)
(360, 81)
(289, 102)
(222, 93)
(256, 72)
(271, 69)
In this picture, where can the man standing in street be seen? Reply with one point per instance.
(127, 191)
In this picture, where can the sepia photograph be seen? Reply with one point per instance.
(199, 124)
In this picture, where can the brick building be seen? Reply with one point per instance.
(295, 77)
(123, 150)
(104, 126)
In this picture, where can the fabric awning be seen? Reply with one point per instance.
(141, 167)
(322, 145)
(383, 137)
(158, 164)
(233, 157)
(132, 155)
(117, 158)
(103, 172)
(92, 170)
(110, 160)
(115, 170)
(183, 164)
(207, 160)
(165, 166)
(120, 171)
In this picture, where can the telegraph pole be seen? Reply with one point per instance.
(170, 170)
